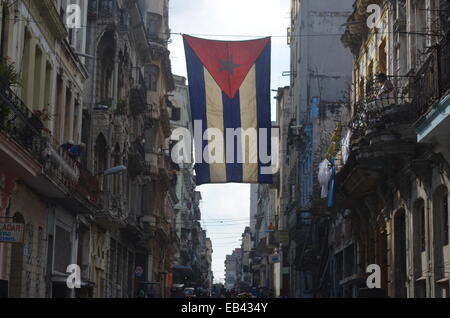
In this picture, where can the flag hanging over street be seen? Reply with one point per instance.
(229, 86)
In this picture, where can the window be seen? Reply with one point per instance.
(152, 76)
(63, 249)
(106, 7)
(154, 22)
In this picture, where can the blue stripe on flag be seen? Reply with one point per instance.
(232, 119)
(198, 106)
(263, 104)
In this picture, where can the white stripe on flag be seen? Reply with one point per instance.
(214, 115)
(249, 124)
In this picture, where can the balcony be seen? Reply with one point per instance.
(374, 111)
(382, 141)
(381, 126)
(30, 153)
(110, 213)
(20, 134)
(433, 81)
(60, 167)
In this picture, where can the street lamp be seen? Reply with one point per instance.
(114, 170)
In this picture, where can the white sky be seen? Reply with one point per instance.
(212, 19)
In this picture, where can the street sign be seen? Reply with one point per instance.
(11, 232)
(274, 258)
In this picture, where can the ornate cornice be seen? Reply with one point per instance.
(52, 18)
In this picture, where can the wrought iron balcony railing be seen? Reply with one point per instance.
(432, 80)
(60, 166)
(19, 123)
(444, 65)
(27, 129)
(369, 111)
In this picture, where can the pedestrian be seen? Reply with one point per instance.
(387, 89)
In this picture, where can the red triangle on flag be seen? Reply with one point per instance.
(228, 62)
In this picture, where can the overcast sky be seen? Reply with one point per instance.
(213, 19)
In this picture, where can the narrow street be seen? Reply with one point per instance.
(225, 149)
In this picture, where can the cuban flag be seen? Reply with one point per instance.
(229, 86)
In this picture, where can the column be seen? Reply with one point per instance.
(53, 99)
(69, 117)
(28, 70)
(78, 123)
(40, 71)
(61, 111)
(115, 81)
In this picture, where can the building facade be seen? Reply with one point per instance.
(85, 171)
(43, 187)
(310, 111)
(392, 183)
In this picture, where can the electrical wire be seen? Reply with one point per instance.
(244, 35)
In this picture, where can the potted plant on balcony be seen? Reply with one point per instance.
(8, 77)
(8, 73)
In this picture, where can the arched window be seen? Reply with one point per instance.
(151, 76)
(105, 68)
(154, 22)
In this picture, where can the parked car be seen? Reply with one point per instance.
(189, 293)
